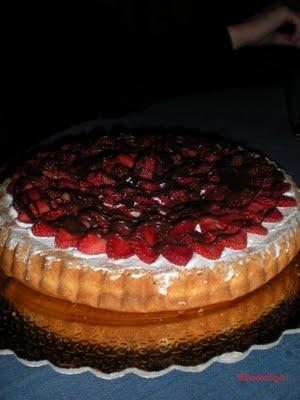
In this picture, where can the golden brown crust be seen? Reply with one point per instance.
(59, 274)
(154, 330)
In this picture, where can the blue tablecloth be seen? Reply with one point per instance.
(256, 117)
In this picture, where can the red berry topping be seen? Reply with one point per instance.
(92, 244)
(183, 227)
(257, 229)
(143, 250)
(42, 229)
(126, 159)
(237, 241)
(146, 194)
(118, 247)
(176, 254)
(65, 239)
(211, 251)
(24, 217)
(273, 216)
(286, 201)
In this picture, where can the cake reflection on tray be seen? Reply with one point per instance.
(39, 327)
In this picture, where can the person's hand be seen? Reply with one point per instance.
(263, 29)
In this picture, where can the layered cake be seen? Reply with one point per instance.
(141, 222)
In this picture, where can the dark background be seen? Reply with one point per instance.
(64, 64)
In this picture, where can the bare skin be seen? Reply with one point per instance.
(262, 29)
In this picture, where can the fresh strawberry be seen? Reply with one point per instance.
(257, 229)
(149, 186)
(273, 216)
(182, 227)
(118, 247)
(186, 180)
(42, 206)
(266, 202)
(110, 195)
(148, 166)
(126, 159)
(150, 233)
(24, 217)
(54, 214)
(190, 153)
(237, 241)
(209, 223)
(65, 239)
(286, 201)
(211, 251)
(41, 228)
(68, 184)
(99, 178)
(176, 254)
(179, 195)
(142, 249)
(92, 244)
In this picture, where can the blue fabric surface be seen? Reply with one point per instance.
(256, 118)
(219, 381)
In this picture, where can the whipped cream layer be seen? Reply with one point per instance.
(255, 243)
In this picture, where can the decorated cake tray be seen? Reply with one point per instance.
(75, 338)
(143, 250)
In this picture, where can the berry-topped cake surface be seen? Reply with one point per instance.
(142, 221)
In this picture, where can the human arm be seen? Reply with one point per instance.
(262, 29)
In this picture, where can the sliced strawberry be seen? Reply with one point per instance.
(54, 214)
(142, 249)
(65, 239)
(24, 217)
(182, 227)
(266, 202)
(92, 244)
(273, 216)
(179, 195)
(211, 251)
(257, 229)
(148, 166)
(176, 254)
(118, 247)
(111, 195)
(150, 233)
(41, 228)
(237, 241)
(149, 186)
(42, 206)
(126, 159)
(68, 184)
(209, 223)
(287, 201)
(99, 178)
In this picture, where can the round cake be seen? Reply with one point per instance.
(143, 222)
